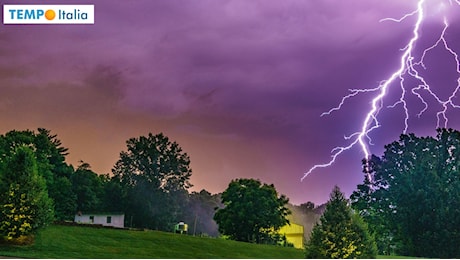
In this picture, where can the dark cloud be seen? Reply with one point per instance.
(240, 85)
(108, 80)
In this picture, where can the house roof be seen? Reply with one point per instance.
(100, 213)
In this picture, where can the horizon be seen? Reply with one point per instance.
(239, 85)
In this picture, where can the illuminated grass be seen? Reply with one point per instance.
(84, 242)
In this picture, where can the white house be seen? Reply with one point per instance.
(105, 219)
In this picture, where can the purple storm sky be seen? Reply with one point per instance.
(240, 85)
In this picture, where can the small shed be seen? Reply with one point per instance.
(181, 228)
(104, 219)
(294, 234)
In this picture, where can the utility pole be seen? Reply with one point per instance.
(194, 224)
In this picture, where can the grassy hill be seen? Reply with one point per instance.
(86, 242)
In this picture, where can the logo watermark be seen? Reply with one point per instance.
(48, 14)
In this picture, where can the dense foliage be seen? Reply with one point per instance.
(50, 160)
(149, 184)
(253, 211)
(411, 196)
(340, 233)
(25, 205)
(154, 174)
(88, 187)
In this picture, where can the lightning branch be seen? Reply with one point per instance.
(409, 66)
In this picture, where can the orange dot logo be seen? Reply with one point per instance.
(50, 14)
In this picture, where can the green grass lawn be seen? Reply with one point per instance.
(396, 257)
(85, 242)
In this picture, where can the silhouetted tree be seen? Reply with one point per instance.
(308, 206)
(154, 174)
(412, 200)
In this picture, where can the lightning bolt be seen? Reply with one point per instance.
(409, 67)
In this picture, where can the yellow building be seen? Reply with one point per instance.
(294, 234)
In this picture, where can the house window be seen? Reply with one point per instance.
(91, 218)
(109, 219)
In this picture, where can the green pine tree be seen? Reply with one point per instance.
(340, 233)
(25, 205)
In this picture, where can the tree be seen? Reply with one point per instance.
(25, 205)
(253, 211)
(372, 206)
(63, 197)
(340, 233)
(114, 197)
(306, 214)
(88, 188)
(50, 160)
(413, 195)
(200, 211)
(51, 156)
(154, 174)
(308, 206)
(155, 158)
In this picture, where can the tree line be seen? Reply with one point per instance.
(410, 196)
(408, 203)
(148, 184)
